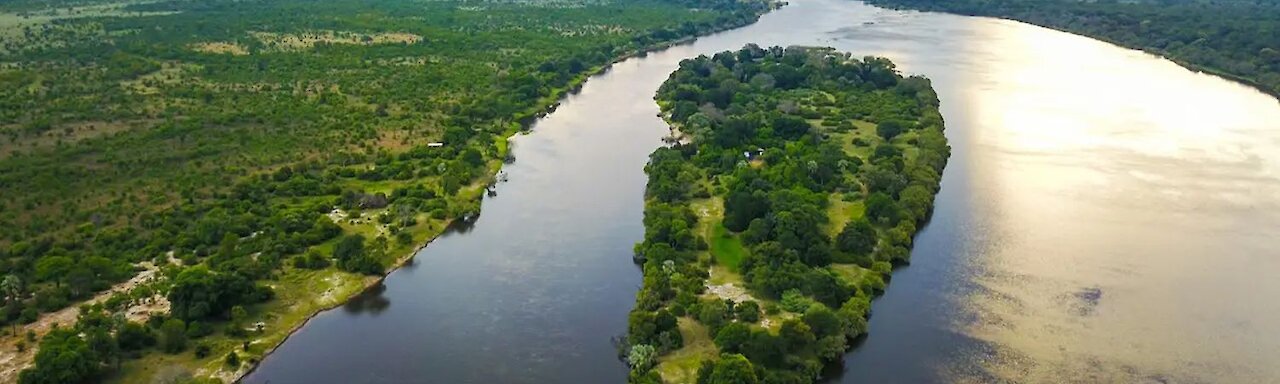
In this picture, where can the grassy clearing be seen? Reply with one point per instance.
(300, 294)
(850, 272)
(840, 212)
(726, 248)
(863, 278)
(721, 275)
(681, 366)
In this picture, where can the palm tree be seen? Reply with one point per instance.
(11, 286)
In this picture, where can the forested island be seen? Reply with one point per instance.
(799, 179)
(1239, 40)
(184, 183)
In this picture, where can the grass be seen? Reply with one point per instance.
(726, 248)
(850, 272)
(300, 293)
(861, 277)
(863, 129)
(681, 365)
(721, 275)
(840, 212)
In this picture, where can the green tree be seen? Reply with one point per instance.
(858, 237)
(173, 336)
(747, 311)
(732, 336)
(795, 334)
(732, 369)
(822, 320)
(349, 247)
(889, 129)
(64, 357)
(53, 268)
(133, 336)
(641, 357)
(11, 286)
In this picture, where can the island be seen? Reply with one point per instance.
(796, 181)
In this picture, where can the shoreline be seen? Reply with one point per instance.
(524, 127)
(1188, 65)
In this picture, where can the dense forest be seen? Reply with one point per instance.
(244, 156)
(801, 177)
(1237, 39)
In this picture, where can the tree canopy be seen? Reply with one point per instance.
(789, 141)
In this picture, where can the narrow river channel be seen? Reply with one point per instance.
(1106, 216)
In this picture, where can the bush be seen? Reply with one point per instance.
(202, 350)
(173, 336)
(794, 301)
(747, 311)
(198, 329)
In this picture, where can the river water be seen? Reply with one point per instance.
(1107, 216)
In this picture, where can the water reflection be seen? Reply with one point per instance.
(371, 301)
(1119, 208)
(1106, 216)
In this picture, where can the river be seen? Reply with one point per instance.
(1107, 216)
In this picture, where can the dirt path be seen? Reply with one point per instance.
(12, 362)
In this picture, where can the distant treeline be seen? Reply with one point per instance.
(1235, 39)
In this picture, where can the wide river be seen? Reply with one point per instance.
(1107, 216)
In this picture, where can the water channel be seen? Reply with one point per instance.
(1107, 216)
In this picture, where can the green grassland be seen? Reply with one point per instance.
(275, 157)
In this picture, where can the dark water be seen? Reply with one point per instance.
(1106, 216)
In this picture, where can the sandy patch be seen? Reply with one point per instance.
(12, 362)
(220, 47)
(298, 41)
(730, 291)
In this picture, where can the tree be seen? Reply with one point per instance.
(822, 320)
(233, 360)
(795, 334)
(80, 280)
(349, 247)
(790, 127)
(11, 286)
(732, 369)
(198, 293)
(713, 315)
(238, 317)
(53, 268)
(830, 348)
(882, 209)
(732, 336)
(133, 336)
(889, 129)
(12, 289)
(641, 357)
(858, 237)
(64, 357)
(917, 201)
(747, 311)
(173, 336)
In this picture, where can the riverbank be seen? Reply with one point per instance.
(477, 191)
(301, 294)
(1216, 41)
